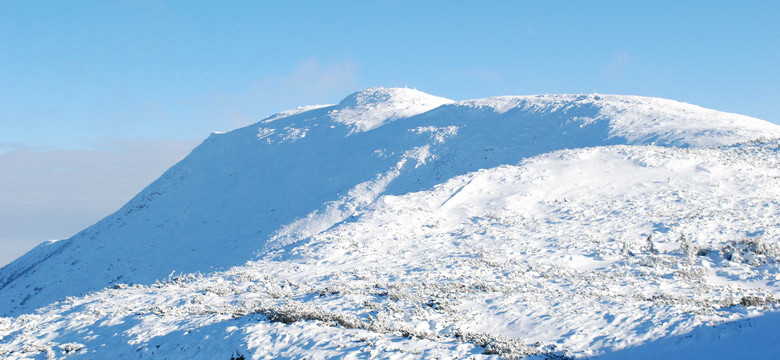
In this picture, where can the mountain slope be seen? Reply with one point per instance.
(298, 173)
(612, 251)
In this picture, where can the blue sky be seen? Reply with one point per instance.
(97, 98)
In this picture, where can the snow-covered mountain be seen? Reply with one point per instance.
(400, 224)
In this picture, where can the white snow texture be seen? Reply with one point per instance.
(401, 225)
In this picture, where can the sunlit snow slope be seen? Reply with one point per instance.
(611, 252)
(402, 190)
(242, 191)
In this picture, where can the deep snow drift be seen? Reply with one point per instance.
(400, 224)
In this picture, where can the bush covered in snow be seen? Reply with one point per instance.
(754, 251)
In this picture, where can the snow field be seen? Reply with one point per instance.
(575, 253)
(306, 170)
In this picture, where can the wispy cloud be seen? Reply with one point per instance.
(51, 194)
(485, 76)
(310, 81)
(617, 65)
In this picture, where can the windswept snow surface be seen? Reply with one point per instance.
(427, 228)
(547, 258)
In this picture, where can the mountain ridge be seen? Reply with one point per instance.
(238, 190)
(534, 227)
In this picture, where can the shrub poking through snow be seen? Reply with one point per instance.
(753, 251)
(686, 249)
(71, 348)
(650, 246)
(751, 300)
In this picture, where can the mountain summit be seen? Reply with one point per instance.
(297, 173)
(369, 109)
(396, 198)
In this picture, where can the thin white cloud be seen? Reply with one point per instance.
(485, 76)
(310, 82)
(617, 65)
(52, 194)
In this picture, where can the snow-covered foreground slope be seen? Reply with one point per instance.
(307, 170)
(602, 252)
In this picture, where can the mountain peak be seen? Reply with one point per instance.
(434, 224)
(368, 109)
(378, 95)
(295, 174)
